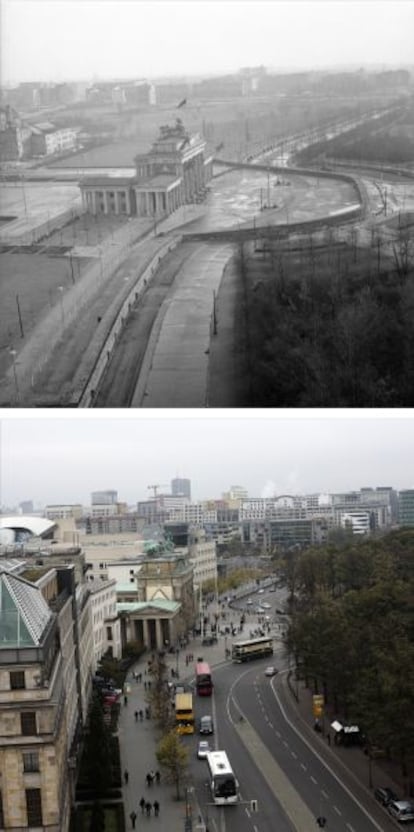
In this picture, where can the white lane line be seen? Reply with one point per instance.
(302, 765)
(351, 828)
(326, 796)
(278, 734)
(337, 810)
(313, 780)
(328, 767)
(285, 744)
(295, 756)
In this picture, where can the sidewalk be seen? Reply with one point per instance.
(138, 742)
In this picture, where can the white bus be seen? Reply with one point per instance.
(252, 648)
(223, 783)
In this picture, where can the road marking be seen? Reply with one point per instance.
(302, 765)
(351, 828)
(278, 734)
(337, 810)
(325, 794)
(294, 755)
(313, 780)
(327, 766)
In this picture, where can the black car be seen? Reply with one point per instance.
(208, 641)
(384, 795)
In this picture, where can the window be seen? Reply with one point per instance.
(17, 680)
(28, 723)
(30, 761)
(34, 807)
(109, 633)
(1, 812)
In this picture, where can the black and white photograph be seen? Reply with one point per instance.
(207, 204)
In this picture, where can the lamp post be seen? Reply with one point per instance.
(62, 311)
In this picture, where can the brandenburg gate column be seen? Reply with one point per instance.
(158, 634)
(145, 633)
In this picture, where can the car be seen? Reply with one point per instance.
(206, 725)
(249, 601)
(208, 641)
(271, 670)
(203, 749)
(259, 610)
(402, 810)
(384, 795)
(260, 591)
(266, 605)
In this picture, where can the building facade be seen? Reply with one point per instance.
(34, 746)
(175, 172)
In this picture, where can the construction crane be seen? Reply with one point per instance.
(157, 486)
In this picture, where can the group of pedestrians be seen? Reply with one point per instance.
(146, 809)
(151, 776)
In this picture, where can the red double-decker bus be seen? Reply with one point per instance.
(204, 684)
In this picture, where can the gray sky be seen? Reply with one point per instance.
(54, 40)
(56, 459)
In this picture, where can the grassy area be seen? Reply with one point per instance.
(30, 282)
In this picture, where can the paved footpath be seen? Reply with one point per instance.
(138, 741)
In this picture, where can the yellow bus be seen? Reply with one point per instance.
(184, 713)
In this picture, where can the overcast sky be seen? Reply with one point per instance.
(56, 459)
(54, 40)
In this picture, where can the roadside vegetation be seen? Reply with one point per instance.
(328, 323)
(351, 635)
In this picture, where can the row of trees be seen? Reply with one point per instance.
(351, 635)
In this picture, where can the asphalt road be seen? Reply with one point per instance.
(271, 752)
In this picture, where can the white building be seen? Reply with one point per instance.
(105, 622)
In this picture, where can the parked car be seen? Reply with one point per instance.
(266, 605)
(206, 725)
(384, 795)
(402, 810)
(203, 749)
(271, 671)
(209, 640)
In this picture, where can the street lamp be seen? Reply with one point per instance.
(61, 290)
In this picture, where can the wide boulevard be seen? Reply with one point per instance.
(274, 757)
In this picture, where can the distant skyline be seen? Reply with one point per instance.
(61, 459)
(57, 40)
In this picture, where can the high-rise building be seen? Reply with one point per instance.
(181, 488)
(406, 507)
(104, 498)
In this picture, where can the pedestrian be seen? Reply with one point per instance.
(142, 804)
(145, 685)
(148, 808)
(156, 808)
(152, 775)
(125, 700)
(157, 778)
(136, 716)
(328, 737)
(149, 780)
(321, 821)
(141, 714)
(126, 776)
(133, 817)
